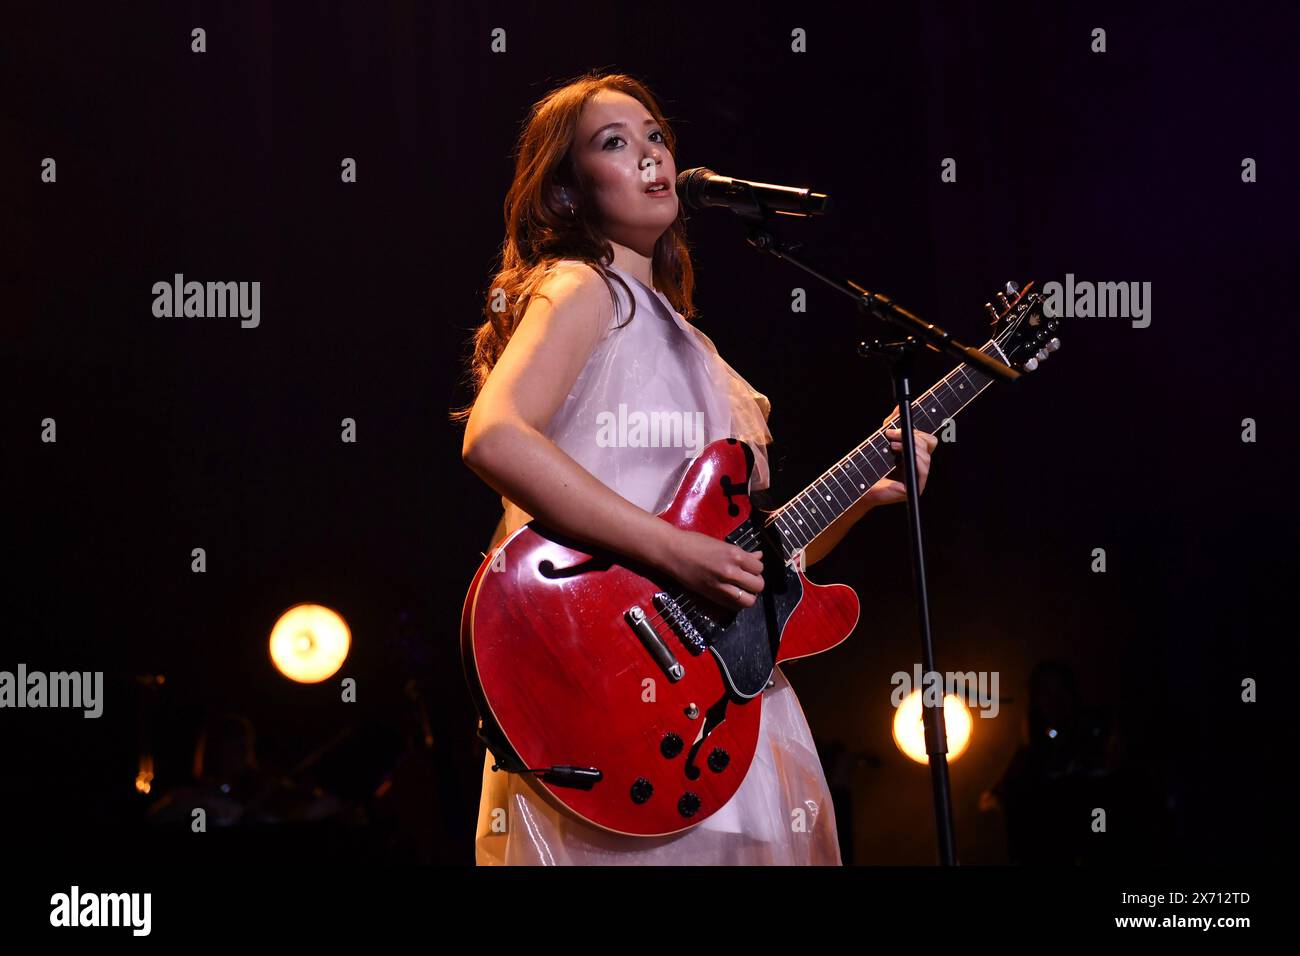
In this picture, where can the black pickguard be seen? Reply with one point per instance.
(746, 646)
(743, 642)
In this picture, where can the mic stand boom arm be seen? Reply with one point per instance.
(760, 236)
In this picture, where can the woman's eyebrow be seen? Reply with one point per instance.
(649, 122)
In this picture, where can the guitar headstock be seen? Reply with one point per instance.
(1025, 336)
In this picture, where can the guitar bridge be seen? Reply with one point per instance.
(681, 623)
(645, 632)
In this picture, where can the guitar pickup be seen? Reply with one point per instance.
(681, 624)
(663, 655)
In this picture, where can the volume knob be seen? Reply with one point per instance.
(641, 790)
(671, 745)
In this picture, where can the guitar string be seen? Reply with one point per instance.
(685, 601)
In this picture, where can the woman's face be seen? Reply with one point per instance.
(619, 153)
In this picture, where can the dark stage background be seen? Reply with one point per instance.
(183, 433)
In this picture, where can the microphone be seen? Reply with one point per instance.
(701, 187)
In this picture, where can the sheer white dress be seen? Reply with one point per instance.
(782, 813)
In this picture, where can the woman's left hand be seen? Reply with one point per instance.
(887, 491)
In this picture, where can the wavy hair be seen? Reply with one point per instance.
(539, 229)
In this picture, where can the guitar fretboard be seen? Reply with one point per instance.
(814, 509)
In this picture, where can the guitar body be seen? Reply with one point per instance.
(637, 706)
(666, 708)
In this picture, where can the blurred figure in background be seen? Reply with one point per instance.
(1072, 764)
(226, 778)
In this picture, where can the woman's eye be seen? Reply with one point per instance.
(657, 132)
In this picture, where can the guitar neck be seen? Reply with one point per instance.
(839, 487)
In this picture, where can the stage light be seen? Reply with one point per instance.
(309, 643)
(909, 731)
(144, 776)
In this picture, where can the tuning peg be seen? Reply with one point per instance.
(1013, 289)
(1030, 364)
(1053, 345)
(1002, 301)
(1043, 354)
(993, 313)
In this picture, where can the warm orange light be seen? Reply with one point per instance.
(909, 730)
(144, 778)
(309, 643)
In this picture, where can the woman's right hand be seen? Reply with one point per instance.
(723, 573)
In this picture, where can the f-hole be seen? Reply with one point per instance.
(730, 488)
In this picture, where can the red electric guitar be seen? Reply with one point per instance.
(635, 703)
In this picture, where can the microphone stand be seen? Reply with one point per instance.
(899, 355)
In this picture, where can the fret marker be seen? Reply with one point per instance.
(800, 520)
(861, 485)
(828, 497)
(960, 385)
